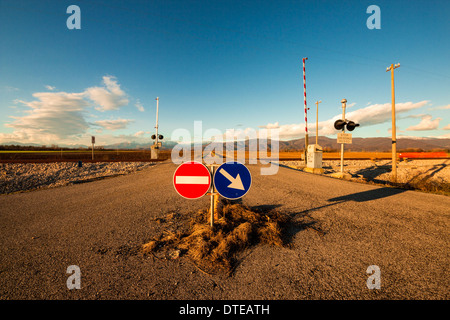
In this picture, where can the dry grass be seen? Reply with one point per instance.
(215, 250)
(426, 184)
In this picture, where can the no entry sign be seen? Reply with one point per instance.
(192, 180)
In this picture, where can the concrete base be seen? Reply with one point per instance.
(313, 170)
(154, 154)
(341, 175)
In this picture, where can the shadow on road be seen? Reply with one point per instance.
(368, 195)
(372, 173)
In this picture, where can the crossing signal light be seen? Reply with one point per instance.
(351, 125)
(160, 137)
(153, 136)
(339, 125)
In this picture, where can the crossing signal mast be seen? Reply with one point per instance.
(343, 137)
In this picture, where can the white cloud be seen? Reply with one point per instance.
(113, 124)
(426, 124)
(440, 108)
(271, 126)
(50, 88)
(52, 116)
(447, 127)
(11, 89)
(141, 133)
(367, 116)
(444, 136)
(110, 97)
(60, 117)
(139, 106)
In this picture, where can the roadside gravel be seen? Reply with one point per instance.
(438, 170)
(16, 177)
(426, 175)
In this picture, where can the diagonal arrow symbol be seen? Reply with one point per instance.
(236, 183)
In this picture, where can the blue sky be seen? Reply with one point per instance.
(230, 64)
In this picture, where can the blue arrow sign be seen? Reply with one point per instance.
(232, 180)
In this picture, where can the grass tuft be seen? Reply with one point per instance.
(215, 250)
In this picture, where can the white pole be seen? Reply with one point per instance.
(306, 109)
(157, 107)
(343, 101)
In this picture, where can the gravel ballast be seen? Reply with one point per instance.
(425, 175)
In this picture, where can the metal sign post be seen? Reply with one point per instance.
(343, 138)
(155, 147)
(214, 195)
(93, 142)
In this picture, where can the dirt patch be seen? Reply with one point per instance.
(216, 250)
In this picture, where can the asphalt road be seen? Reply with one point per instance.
(341, 229)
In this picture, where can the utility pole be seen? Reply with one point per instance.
(317, 122)
(394, 137)
(306, 110)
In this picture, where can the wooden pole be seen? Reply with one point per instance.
(394, 131)
(317, 122)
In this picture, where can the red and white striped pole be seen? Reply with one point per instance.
(306, 110)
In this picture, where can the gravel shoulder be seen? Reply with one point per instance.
(20, 177)
(424, 175)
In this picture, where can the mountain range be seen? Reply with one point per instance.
(328, 144)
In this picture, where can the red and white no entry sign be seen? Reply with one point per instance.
(192, 180)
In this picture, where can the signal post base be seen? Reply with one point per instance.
(313, 170)
(341, 175)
